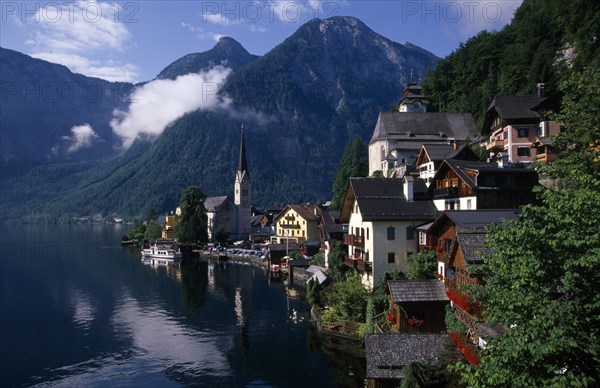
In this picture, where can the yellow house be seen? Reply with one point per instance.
(168, 231)
(297, 223)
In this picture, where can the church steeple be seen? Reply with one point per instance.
(243, 193)
(242, 165)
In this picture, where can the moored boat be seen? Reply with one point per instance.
(162, 252)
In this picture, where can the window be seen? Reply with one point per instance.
(382, 153)
(504, 135)
(523, 151)
(391, 258)
(523, 132)
(469, 204)
(410, 233)
(422, 238)
(367, 233)
(391, 233)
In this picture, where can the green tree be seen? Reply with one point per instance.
(153, 230)
(544, 269)
(192, 225)
(335, 260)
(349, 298)
(354, 163)
(422, 265)
(221, 235)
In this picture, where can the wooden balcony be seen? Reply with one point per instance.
(495, 146)
(351, 239)
(445, 192)
(359, 264)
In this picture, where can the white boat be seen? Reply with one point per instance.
(162, 252)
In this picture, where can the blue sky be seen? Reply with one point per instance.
(134, 40)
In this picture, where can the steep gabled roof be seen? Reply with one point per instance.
(433, 126)
(331, 223)
(462, 168)
(417, 291)
(387, 354)
(469, 219)
(472, 244)
(383, 199)
(213, 204)
(511, 109)
(307, 212)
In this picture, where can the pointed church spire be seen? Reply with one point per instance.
(242, 165)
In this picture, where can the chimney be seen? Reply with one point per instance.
(409, 188)
(541, 92)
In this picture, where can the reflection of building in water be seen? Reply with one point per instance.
(239, 312)
(211, 275)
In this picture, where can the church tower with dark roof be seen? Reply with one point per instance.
(243, 193)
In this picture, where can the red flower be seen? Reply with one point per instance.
(390, 317)
(411, 321)
(420, 322)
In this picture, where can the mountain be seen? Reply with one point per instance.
(227, 52)
(301, 103)
(40, 104)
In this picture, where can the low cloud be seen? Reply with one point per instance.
(159, 103)
(82, 136)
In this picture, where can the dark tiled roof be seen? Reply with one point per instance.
(437, 152)
(331, 223)
(417, 291)
(213, 203)
(387, 354)
(512, 109)
(480, 218)
(426, 126)
(515, 107)
(383, 199)
(472, 244)
(307, 211)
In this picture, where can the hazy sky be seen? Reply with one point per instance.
(134, 40)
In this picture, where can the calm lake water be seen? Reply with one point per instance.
(76, 309)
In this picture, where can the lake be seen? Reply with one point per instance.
(76, 309)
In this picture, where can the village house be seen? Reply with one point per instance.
(388, 354)
(459, 238)
(297, 223)
(261, 228)
(382, 214)
(399, 136)
(469, 185)
(417, 306)
(221, 214)
(331, 231)
(512, 124)
(168, 230)
(431, 157)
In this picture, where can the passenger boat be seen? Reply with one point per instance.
(162, 252)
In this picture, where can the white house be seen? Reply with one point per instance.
(382, 214)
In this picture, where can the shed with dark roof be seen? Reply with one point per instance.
(388, 354)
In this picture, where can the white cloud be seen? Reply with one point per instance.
(159, 103)
(77, 34)
(82, 137)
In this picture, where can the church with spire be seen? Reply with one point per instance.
(235, 217)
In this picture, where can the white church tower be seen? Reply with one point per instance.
(243, 194)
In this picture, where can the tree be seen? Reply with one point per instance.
(221, 235)
(544, 269)
(354, 163)
(422, 265)
(335, 260)
(192, 225)
(153, 230)
(349, 298)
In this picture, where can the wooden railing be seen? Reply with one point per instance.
(495, 145)
(358, 264)
(351, 239)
